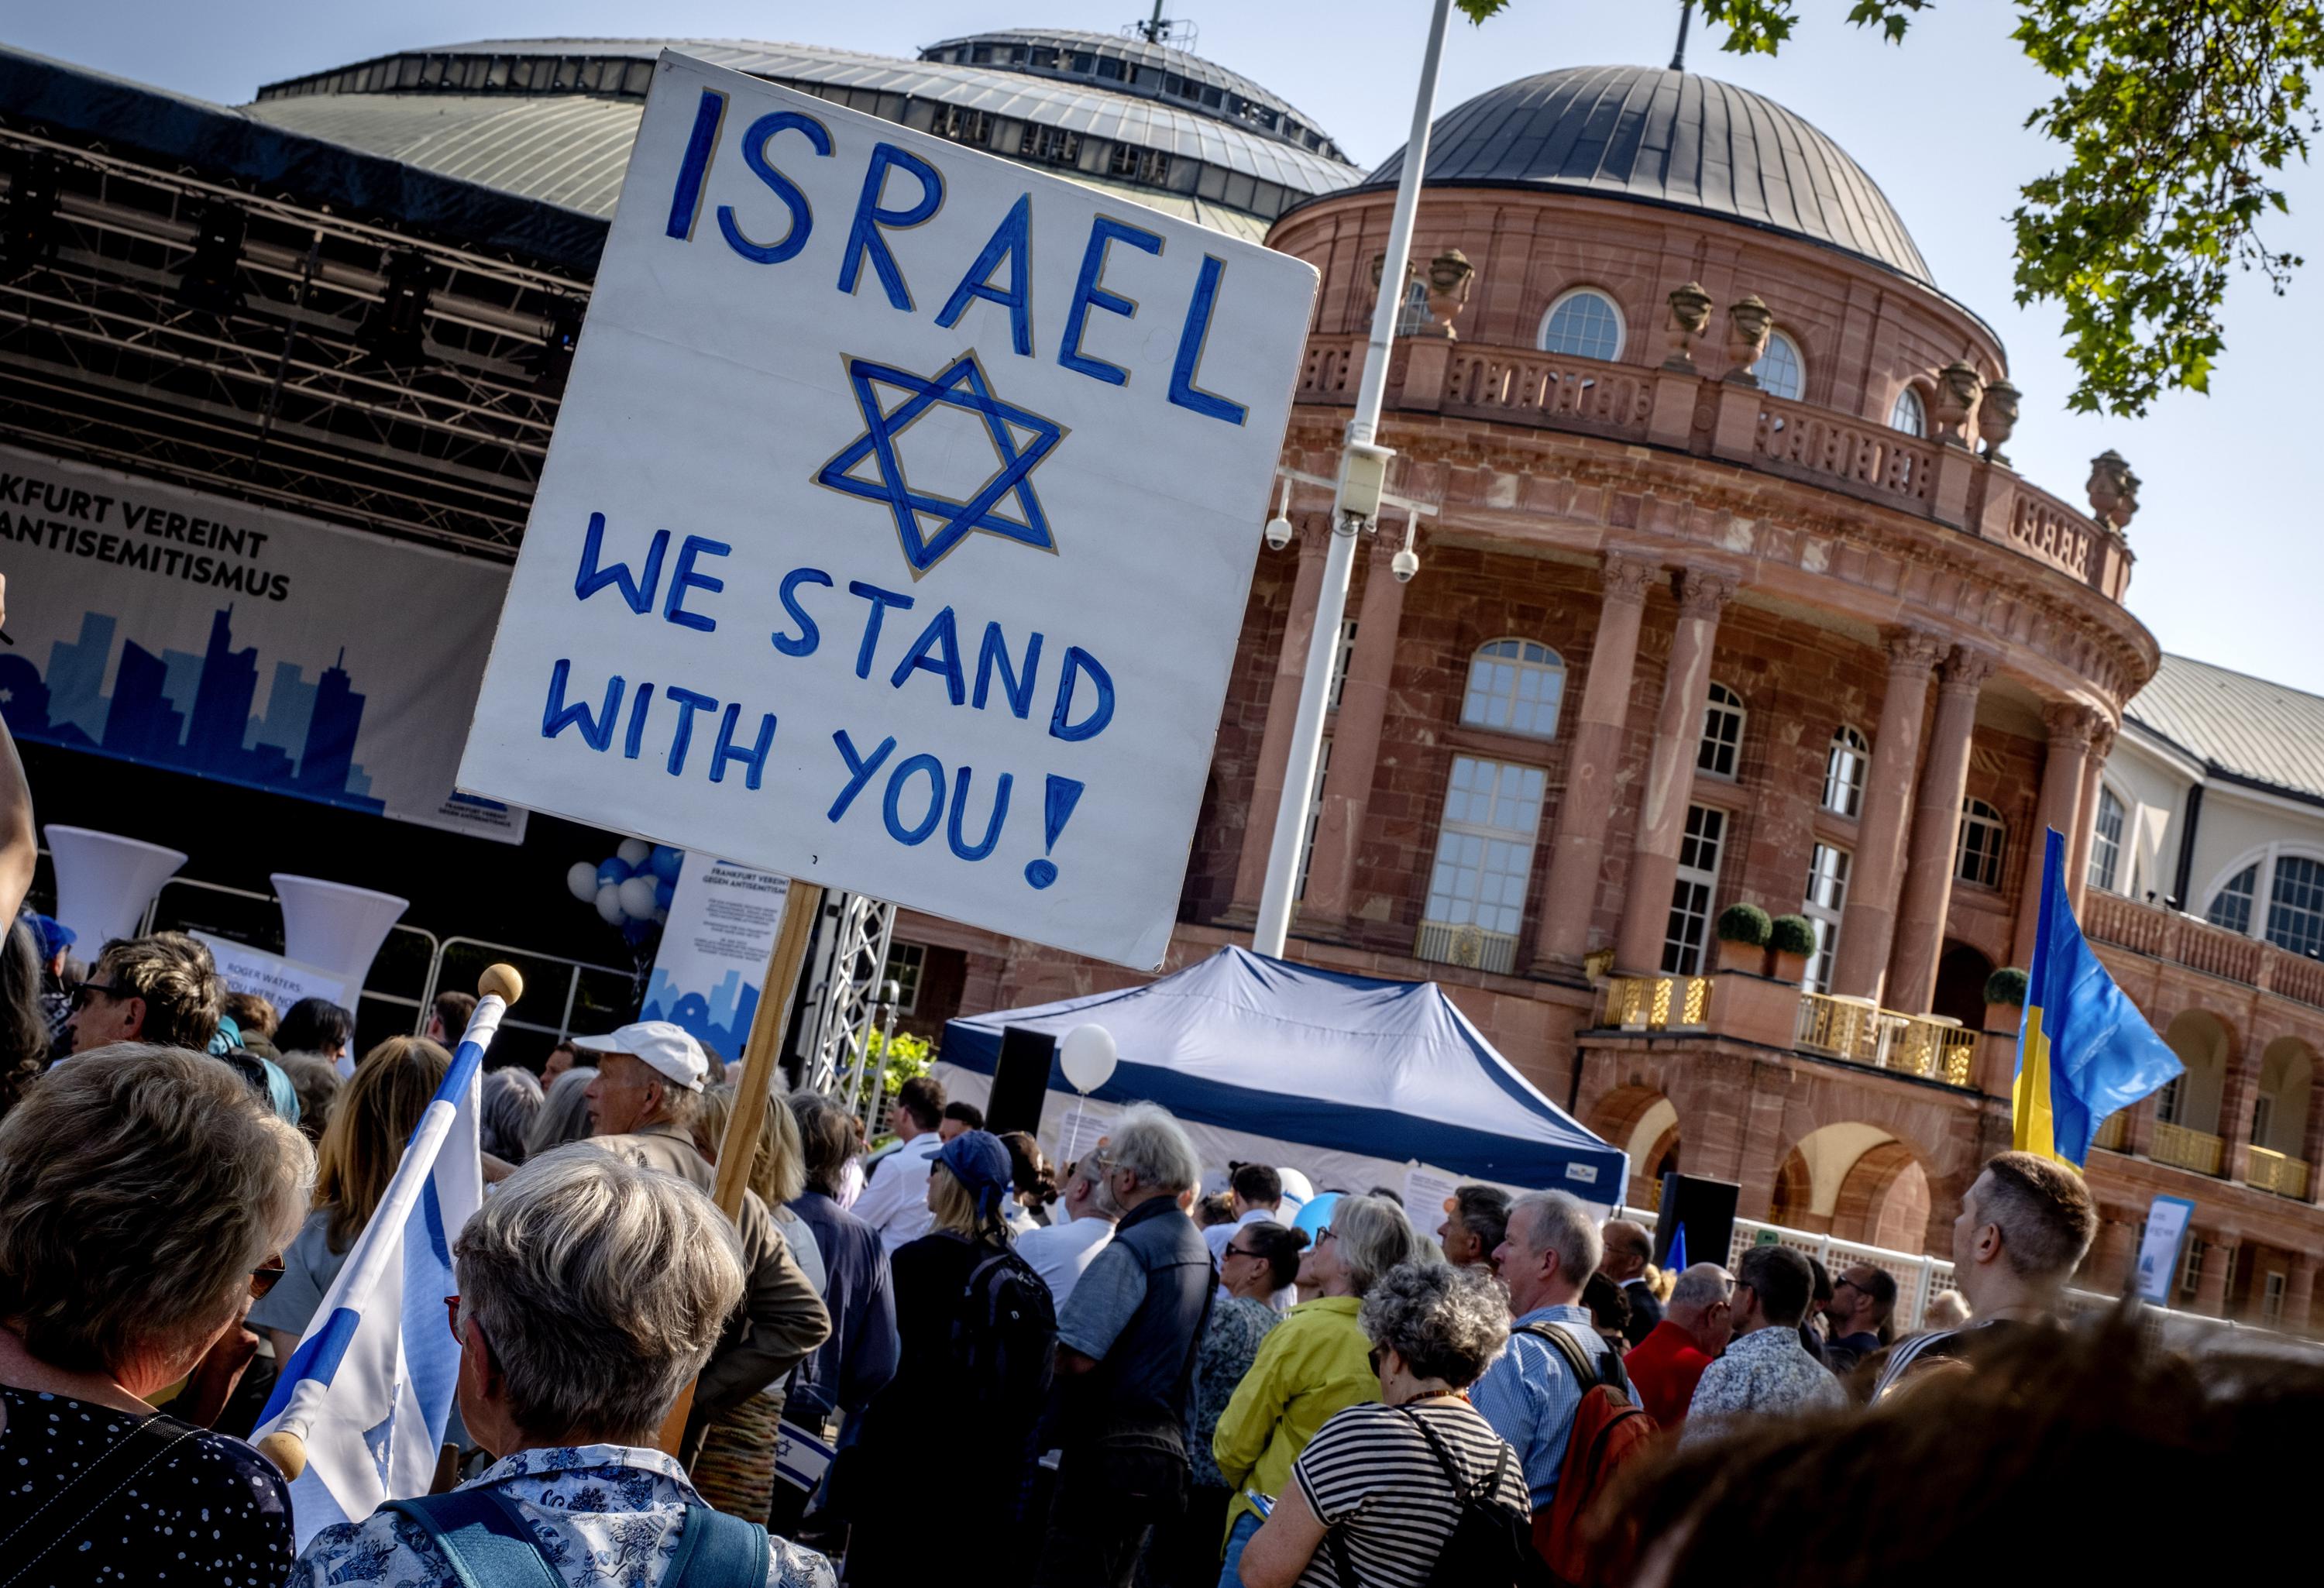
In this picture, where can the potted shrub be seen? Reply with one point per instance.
(1742, 932)
(1791, 938)
(2005, 999)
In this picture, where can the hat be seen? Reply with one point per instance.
(979, 1162)
(663, 1047)
(54, 935)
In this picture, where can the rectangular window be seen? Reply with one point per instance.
(962, 125)
(1052, 145)
(2105, 840)
(1827, 897)
(904, 963)
(1484, 861)
(2190, 1272)
(1686, 937)
(1314, 817)
(2271, 1299)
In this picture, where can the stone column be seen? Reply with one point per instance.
(1928, 889)
(2211, 1285)
(2086, 816)
(1355, 742)
(2071, 728)
(1282, 710)
(2238, 1093)
(1577, 850)
(1670, 772)
(1868, 927)
(2312, 1139)
(2299, 1292)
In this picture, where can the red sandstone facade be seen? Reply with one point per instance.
(1663, 528)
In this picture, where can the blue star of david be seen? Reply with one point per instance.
(961, 385)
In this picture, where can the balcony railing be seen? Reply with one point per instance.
(1658, 1003)
(2279, 1172)
(2184, 1149)
(1859, 1031)
(1548, 389)
(2181, 939)
(1472, 946)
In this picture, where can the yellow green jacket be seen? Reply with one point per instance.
(1315, 1362)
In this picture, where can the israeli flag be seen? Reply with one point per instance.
(363, 1400)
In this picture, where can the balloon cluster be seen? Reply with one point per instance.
(632, 888)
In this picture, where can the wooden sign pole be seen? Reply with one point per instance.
(761, 1062)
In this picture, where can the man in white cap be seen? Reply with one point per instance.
(643, 1102)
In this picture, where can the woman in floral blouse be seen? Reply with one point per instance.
(1260, 1260)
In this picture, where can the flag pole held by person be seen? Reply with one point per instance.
(379, 1351)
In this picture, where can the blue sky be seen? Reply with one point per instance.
(2228, 557)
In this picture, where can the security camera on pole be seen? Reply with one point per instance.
(1363, 481)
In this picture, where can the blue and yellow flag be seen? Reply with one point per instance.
(2083, 1050)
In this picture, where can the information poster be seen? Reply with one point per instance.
(714, 952)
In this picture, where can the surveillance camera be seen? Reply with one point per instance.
(1279, 532)
(1404, 565)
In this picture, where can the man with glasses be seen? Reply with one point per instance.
(1767, 1371)
(1670, 1361)
(163, 988)
(1863, 1299)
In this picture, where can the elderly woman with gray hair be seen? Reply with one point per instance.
(1314, 1363)
(1378, 1492)
(592, 1290)
(145, 1196)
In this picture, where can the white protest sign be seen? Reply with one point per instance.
(2158, 1253)
(899, 521)
(1426, 1193)
(707, 973)
(280, 982)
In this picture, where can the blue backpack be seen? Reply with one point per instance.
(488, 1544)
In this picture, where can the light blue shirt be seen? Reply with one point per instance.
(1529, 1396)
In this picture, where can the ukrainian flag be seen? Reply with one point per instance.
(2083, 1050)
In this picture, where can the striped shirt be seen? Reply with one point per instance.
(1371, 1476)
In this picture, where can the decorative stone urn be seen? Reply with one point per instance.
(1958, 387)
(1690, 317)
(2114, 489)
(1747, 325)
(1996, 417)
(1449, 276)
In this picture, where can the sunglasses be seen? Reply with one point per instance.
(1239, 1252)
(264, 1279)
(89, 990)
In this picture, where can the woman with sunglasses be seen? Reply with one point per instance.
(144, 1192)
(1314, 1363)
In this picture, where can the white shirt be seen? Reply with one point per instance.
(1219, 1236)
(895, 1200)
(1060, 1252)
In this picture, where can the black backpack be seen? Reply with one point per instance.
(1490, 1544)
(1004, 1335)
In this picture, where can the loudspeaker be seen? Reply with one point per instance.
(1020, 1081)
(1707, 1209)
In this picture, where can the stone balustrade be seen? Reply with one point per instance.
(2181, 939)
(1850, 453)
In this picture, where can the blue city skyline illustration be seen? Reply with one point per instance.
(719, 1019)
(961, 385)
(194, 712)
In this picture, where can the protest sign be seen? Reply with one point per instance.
(2159, 1253)
(173, 629)
(280, 982)
(899, 522)
(714, 951)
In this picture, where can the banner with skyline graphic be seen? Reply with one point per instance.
(174, 629)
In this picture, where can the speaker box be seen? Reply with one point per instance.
(1020, 1081)
(1707, 1209)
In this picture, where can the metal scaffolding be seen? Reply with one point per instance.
(849, 995)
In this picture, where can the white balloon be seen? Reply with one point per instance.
(609, 904)
(1087, 1056)
(581, 877)
(633, 851)
(638, 898)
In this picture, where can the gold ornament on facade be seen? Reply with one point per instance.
(1996, 417)
(1690, 317)
(1748, 322)
(2114, 489)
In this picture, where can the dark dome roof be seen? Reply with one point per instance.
(1670, 138)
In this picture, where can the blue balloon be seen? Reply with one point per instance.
(665, 861)
(634, 931)
(1316, 1214)
(663, 893)
(612, 869)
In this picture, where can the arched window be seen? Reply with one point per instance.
(1583, 324)
(1722, 732)
(2105, 842)
(1976, 854)
(2231, 906)
(1908, 415)
(1844, 767)
(2295, 906)
(1782, 371)
(1414, 319)
(1515, 686)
